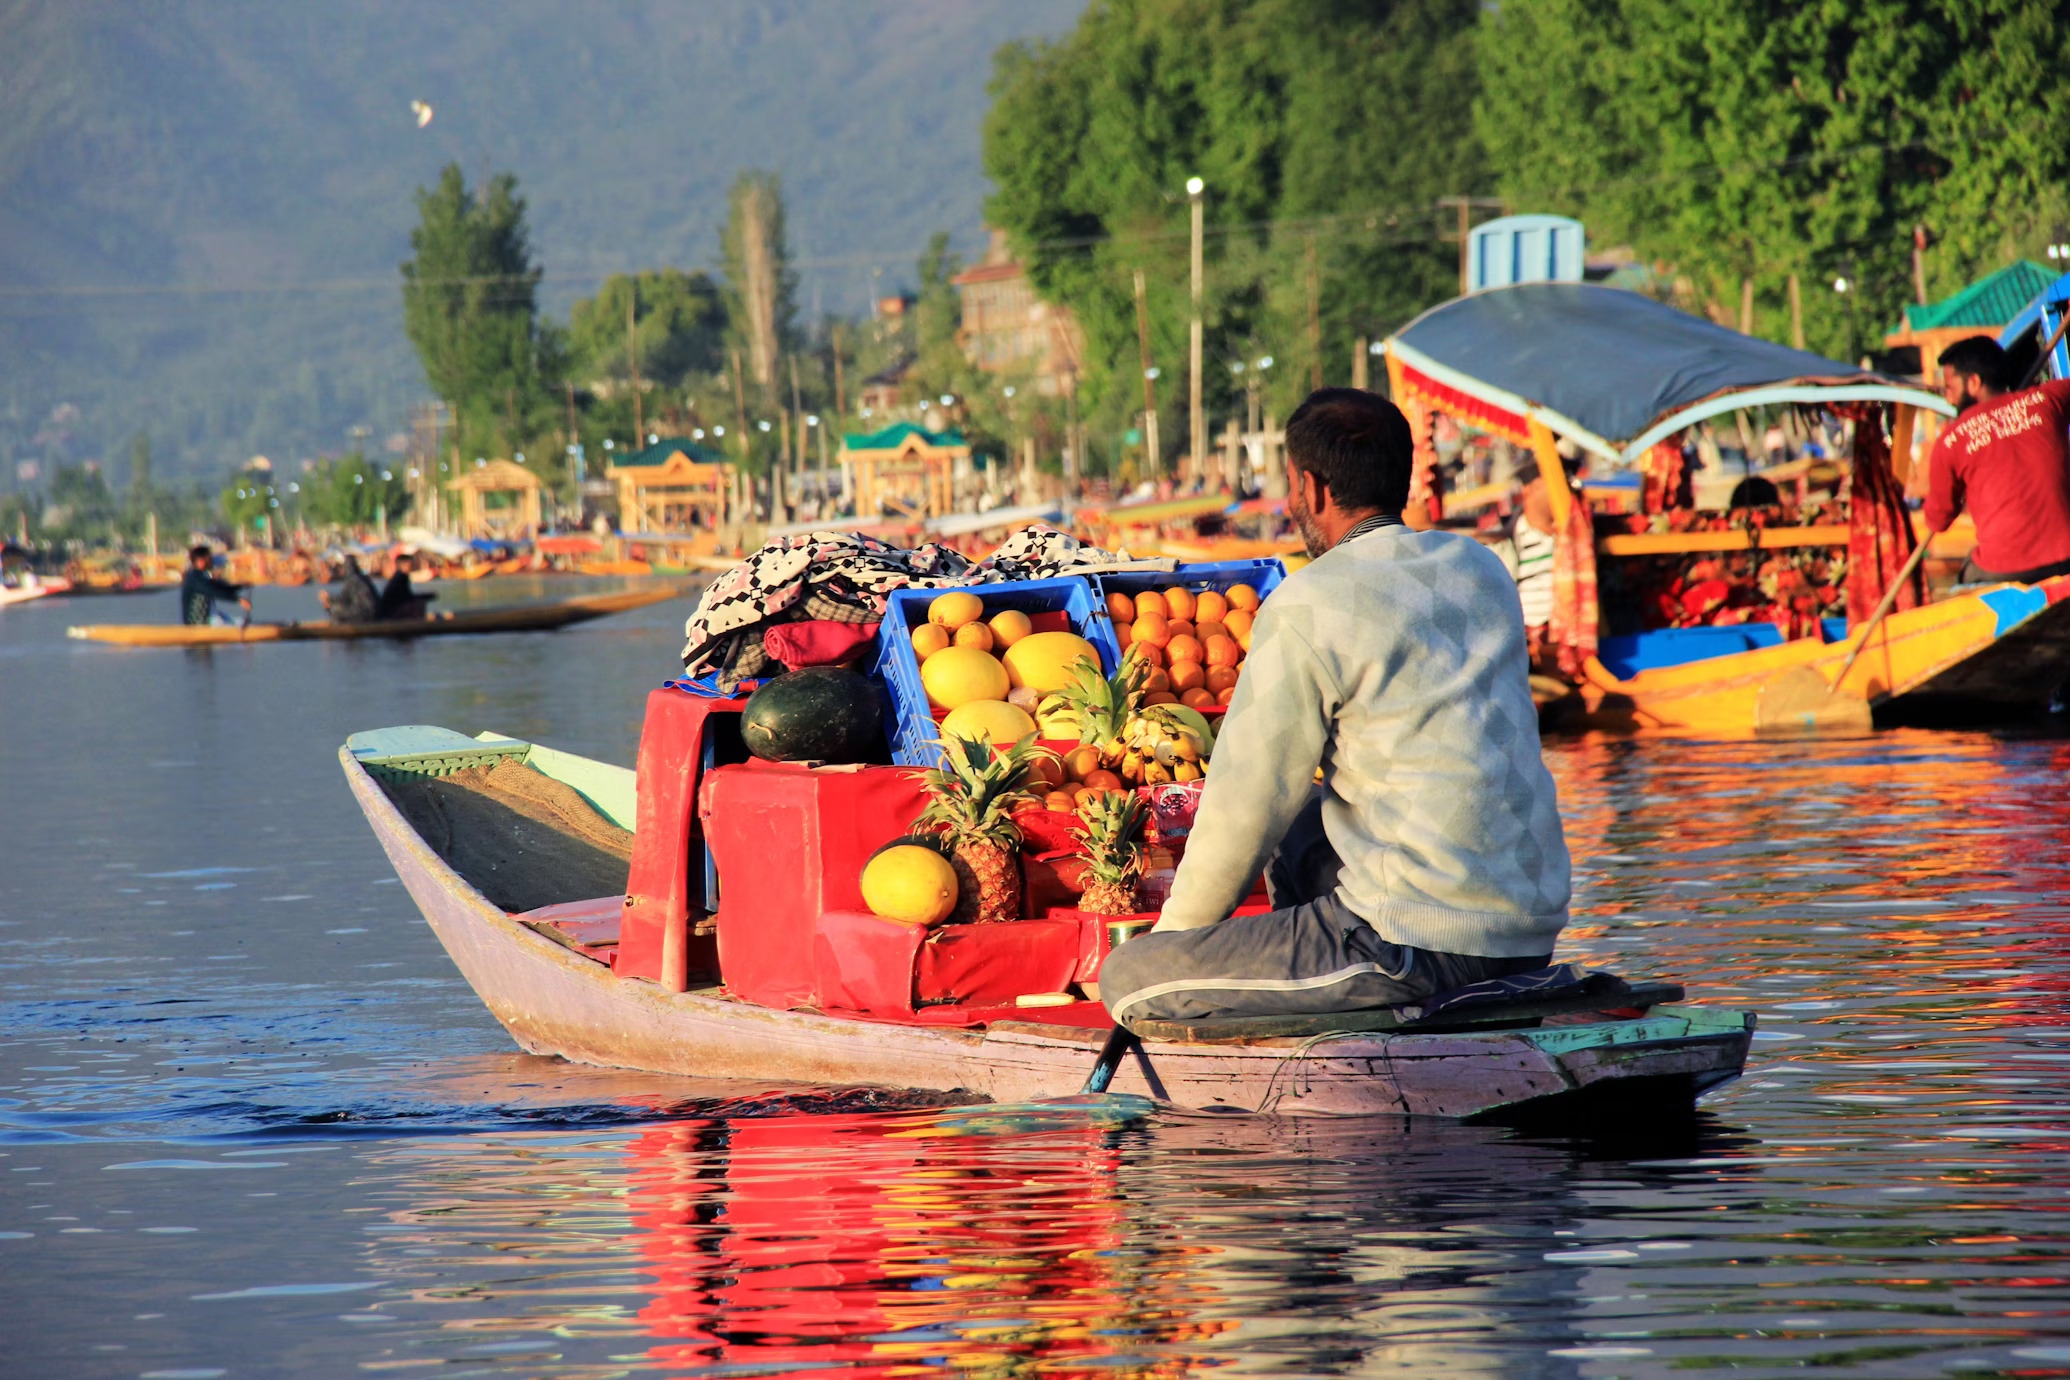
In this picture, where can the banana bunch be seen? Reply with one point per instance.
(1162, 743)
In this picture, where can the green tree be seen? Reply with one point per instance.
(1747, 140)
(247, 497)
(761, 288)
(353, 492)
(470, 308)
(1334, 124)
(81, 503)
(680, 328)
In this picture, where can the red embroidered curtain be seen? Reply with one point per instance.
(1879, 526)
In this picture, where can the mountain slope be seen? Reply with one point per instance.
(202, 206)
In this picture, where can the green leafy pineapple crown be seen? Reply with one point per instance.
(1110, 835)
(1100, 705)
(976, 789)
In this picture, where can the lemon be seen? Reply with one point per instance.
(910, 885)
(955, 676)
(1001, 725)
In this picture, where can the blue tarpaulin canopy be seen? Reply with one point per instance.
(1616, 371)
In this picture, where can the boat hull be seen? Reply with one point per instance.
(556, 1000)
(525, 618)
(1976, 658)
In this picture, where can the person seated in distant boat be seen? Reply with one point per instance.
(2006, 459)
(1432, 854)
(200, 591)
(357, 601)
(1527, 549)
(398, 599)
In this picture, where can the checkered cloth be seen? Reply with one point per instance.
(844, 576)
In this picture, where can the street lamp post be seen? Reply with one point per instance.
(1197, 414)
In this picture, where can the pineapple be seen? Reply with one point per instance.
(976, 790)
(1111, 840)
(1099, 706)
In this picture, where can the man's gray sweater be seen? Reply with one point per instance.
(1396, 663)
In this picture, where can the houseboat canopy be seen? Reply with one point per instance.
(1612, 370)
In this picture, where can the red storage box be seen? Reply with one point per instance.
(790, 843)
(876, 967)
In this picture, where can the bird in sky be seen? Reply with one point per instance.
(422, 111)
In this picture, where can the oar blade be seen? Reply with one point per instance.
(1800, 698)
(1079, 1112)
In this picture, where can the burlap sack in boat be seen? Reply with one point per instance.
(522, 838)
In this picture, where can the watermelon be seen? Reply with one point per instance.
(819, 714)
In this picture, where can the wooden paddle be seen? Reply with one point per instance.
(1801, 698)
(1119, 1042)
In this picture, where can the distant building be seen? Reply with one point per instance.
(1985, 307)
(1008, 330)
(673, 485)
(879, 393)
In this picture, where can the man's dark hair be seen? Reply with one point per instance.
(1358, 444)
(1979, 355)
(200, 553)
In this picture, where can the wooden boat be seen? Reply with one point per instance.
(1629, 376)
(563, 978)
(520, 618)
(33, 587)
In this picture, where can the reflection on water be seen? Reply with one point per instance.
(251, 1124)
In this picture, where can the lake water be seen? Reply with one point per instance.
(252, 1124)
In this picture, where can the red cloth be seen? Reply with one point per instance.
(817, 642)
(1879, 526)
(2008, 462)
(1575, 610)
(1425, 491)
(1665, 477)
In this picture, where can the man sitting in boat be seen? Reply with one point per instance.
(200, 590)
(2005, 459)
(1527, 549)
(398, 598)
(1432, 853)
(357, 601)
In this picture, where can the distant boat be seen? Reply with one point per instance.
(520, 618)
(33, 587)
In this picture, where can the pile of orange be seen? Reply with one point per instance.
(1073, 778)
(1196, 641)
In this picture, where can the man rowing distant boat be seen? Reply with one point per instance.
(1432, 854)
(200, 590)
(2004, 458)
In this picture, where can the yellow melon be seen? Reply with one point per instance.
(1044, 660)
(1001, 725)
(1011, 626)
(910, 884)
(955, 676)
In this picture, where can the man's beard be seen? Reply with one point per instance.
(1965, 402)
(1311, 533)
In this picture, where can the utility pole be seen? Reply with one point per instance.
(797, 422)
(1466, 205)
(1150, 446)
(1196, 420)
(632, 344)
(1315, 330)
(1746, 306)
(1796, 315)
(1360, 352)
(1919, 263)
(740, 420)
(840, 385)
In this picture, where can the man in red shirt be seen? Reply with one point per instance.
(2007, 459)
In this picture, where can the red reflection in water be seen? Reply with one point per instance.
(812, 1244)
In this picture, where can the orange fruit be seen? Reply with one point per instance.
(1151, 628)
(928, 639)
(1211, 607)
(1148, 652)
(1158, 681)
(1160, 697)
(1197, 699)
(1242, 597)
(1150, 601)
(1180, 627)
(1237, 623)
(1222, 651)
(1125, 633)
(1059, 800)
(954, 609)
(1121, 608)
(1179, 602)
(1224, 696)
(1047, 768)
(1243, 640)
(1081, 795)
(1010, 627)
(1183, 649)
(1102, 780)
(1080, 761)
(1187, 675)
(974, 635)
(1209, 629)
(1220, 678)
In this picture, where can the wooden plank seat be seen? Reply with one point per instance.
(1506, 1015)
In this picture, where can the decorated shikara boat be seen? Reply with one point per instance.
(1624, 379)
(702, 916)
(521, 618)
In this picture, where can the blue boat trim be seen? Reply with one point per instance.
(2014, 605)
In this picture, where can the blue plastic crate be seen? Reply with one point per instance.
(912, 729)
(1263, 574)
